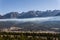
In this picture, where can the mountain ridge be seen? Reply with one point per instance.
(31, 14)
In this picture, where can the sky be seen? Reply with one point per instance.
(7, 6)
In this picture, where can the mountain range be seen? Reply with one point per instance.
(31, 14)
(32, 20)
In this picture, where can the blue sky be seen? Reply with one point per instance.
(26, 5)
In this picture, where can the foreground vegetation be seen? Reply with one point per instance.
(29, 36)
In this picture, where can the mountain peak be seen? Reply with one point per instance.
(11, 15)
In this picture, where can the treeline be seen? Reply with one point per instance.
(29, 36)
